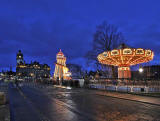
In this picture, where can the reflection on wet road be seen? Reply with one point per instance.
(56, 104)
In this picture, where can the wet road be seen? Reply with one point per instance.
(47, 103)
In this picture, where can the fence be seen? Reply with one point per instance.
(126, 85)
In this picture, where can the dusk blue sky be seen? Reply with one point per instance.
(41, 27)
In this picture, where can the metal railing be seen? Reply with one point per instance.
(126, 85)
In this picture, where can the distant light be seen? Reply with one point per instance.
(140, 70)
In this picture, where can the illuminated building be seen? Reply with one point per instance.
(33, 70)
(124, 57)
(61, 71)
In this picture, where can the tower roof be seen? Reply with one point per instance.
(20, 53)
(60, 53)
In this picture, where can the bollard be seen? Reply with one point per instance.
(146, 89)
(131, 88)
(116, 89)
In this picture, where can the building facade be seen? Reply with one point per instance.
(61, 71)
(31, 71)
(152, 71)
(149, 72)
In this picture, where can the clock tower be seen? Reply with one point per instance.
(19, 58)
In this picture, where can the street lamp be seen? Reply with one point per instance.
(140, 69)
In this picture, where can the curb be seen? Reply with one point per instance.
(129, 99)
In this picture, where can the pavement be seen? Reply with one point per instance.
(47, 103)
(144, 99)
(21, 109)
(4, 113)
(4, 105)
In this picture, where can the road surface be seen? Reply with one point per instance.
(33, 102)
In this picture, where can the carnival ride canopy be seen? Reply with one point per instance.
(125, 56)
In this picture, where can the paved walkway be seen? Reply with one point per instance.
(4, 108)
(21, 109)
(4, 113)
(144, 99)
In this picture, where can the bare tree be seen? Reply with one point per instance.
(106, 38)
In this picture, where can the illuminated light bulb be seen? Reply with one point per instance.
(140, 70)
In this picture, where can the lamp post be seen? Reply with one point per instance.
(141, 71)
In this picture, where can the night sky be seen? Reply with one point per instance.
(41, 27)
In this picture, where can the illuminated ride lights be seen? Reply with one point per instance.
(61, 71)
(124, 57)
